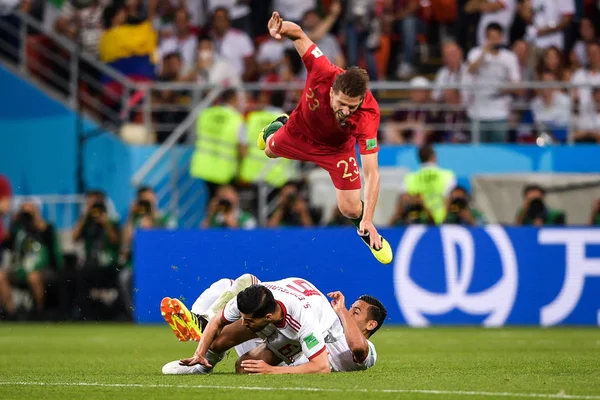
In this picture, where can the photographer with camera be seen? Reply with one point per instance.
(292, 209)
(224, 211)
(535, 212)
(143, 214)
(35, 253)
(411, 210)
(98, 232)
(460, 211)
(100, 237)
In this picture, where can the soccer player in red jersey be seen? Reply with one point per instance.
(336, 112)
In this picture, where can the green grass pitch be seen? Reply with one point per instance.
(120, 361)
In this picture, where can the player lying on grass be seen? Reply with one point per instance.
(336, 112)
(352, 351)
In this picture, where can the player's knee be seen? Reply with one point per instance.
(350, 209)
(270, 153)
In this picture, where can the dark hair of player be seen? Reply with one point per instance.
(426, 153)
(377, 311)
(353, 82)
(257, 301)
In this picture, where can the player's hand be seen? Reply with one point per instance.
(197, 359)
(374, 238)
(339, 301)
(274, 25)
(257, 367)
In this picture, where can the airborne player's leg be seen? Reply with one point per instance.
(188, 325)
(270, 129)
(345, 175)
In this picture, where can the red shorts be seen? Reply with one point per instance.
(342, 166)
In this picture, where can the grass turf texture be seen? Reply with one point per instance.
(92, 361)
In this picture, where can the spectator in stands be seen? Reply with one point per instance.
(452, 121)
(552, 59)
(224, 211)
(595, 216)
(292, 209)
(144, 213)
(270, 56)
(363, 32)
(547, 21)
(85, 23)
(551, 109)
(183, 42)
(521, 50)
(535, 211)
(101, 239)
(211, 68)
(170, 106)
(589, 75)
(501, 12)
(318, 29)
(460, 210)
(406, 24)
(413, 122)
(588, 122)
(289, 71)
(587, 35)
(36, 253)
(128, 47)
(410, 210)
(491, 66)
(239, 13)
(293, 10)
(234, 46)
(5, 204)
(454, 71)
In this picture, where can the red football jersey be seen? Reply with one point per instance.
(314, 118)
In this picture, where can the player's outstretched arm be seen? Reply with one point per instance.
(356, 340)
(214, 327)
(371, 172)
(317, 365)
(278, 29)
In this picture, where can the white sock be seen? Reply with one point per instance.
(238, 285)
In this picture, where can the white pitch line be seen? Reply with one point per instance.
(309, 389)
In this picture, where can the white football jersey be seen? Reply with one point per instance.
(341, 358)
(309, 321)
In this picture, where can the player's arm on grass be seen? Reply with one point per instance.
(356, 340)
(317, 364)
(212, 330)
(278, 29)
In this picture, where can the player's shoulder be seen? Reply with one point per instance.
(369, 110)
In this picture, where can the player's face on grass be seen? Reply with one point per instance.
(255, 324)
(343, 106)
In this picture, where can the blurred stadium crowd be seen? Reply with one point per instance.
(463, 42)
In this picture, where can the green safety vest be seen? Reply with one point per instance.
(256, 161)
(215, 158)
(431, 183)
